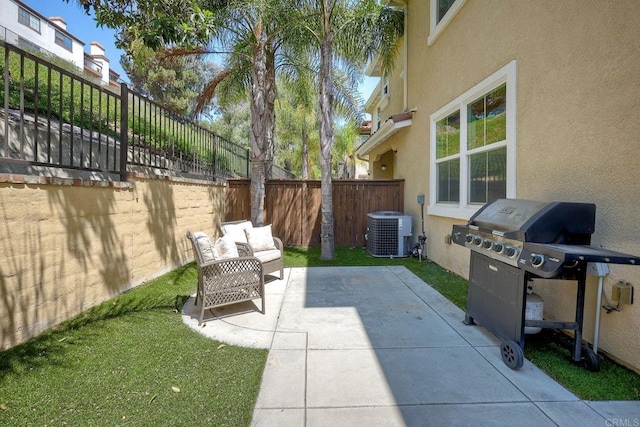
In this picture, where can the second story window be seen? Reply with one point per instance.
(385, 85)
(29, 19)
(443, 8)
(64, 41)
(442, 12)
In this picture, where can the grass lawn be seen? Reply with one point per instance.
(132, 361)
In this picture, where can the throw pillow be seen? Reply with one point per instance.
(260, 238)
(226, 247)
(206, 248)
(237, 231)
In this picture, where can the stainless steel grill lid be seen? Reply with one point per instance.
(539, 222)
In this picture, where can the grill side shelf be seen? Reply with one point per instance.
(587, 253)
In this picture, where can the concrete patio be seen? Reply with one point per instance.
(376, 346)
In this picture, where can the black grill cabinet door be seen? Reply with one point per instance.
(496, 297)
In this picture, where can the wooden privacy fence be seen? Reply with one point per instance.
(293, 207)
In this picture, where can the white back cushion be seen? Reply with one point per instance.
(205, 247)
(225, 247)
(237, 231)
(260, 238)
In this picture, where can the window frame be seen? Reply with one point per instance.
(463, 209)
(21, 11)
(437, 27)
(64, 38)
(28, 44)
(385, 85)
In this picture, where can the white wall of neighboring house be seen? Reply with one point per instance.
(97, 54)
(26, 27)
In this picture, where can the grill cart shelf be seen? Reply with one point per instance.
(513, 241)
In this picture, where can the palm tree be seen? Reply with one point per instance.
(243, 34)
(349, 32)
(296, 125)
(297, 112)
(248, 34)
(253, 32)
(238, 29)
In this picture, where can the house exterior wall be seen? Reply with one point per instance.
(576, 130)
(97, 54)
(45, 38)
(67, 247)
(395, 91)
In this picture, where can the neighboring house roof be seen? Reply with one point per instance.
(388, 128)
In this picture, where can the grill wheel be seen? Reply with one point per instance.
(512, 354)
(590, 359)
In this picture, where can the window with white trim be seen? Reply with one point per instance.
(64, 40)
(29, 19)
(473, 147)
(442, 12)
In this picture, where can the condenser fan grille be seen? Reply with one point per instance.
(388, 234)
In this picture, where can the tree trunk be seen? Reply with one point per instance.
(258, 128)
(305, 154)
(257, 191)
(270, 111)
(327, 237)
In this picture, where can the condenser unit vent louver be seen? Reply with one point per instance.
(388, 234)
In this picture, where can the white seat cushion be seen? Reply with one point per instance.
(269, 255)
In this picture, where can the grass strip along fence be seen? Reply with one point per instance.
(65, 120)
(131, 360)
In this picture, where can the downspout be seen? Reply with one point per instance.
(405, 60)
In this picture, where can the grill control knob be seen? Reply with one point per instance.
(487, 244)
(537, 260)
(468, 238)
(498, 247)
(477, 241)
(510, 251)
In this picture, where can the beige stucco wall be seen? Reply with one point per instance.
(65, 248)
(577, 132)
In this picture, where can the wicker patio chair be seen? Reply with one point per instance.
(272, 257)
(225, 281)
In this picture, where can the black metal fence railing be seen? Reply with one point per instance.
(52, 117)
(278, 172)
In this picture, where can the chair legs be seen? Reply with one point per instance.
(201, 313)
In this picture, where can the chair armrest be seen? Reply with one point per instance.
(278, 243)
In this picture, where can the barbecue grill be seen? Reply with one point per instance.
(513, 241)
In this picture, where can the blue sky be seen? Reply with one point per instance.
(86, 29)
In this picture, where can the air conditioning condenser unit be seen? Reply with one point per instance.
(388, 234)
